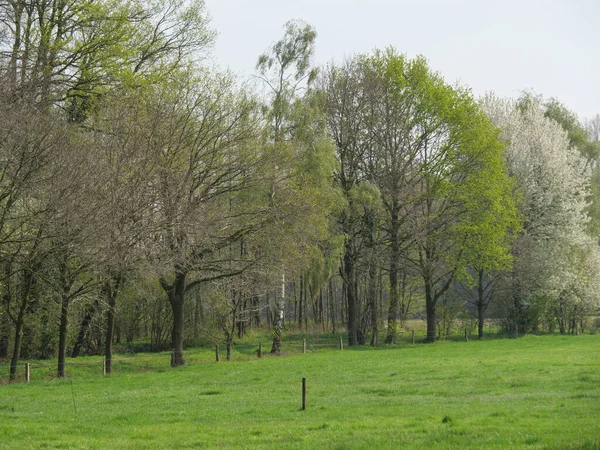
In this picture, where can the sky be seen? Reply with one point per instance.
(549, 46)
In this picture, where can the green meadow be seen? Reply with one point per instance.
(532, 392)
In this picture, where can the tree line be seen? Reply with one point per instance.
(147, 197)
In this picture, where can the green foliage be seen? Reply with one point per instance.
(461, 185)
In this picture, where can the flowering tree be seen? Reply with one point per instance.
(554, 255)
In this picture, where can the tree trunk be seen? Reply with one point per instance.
(373, 301)
(198, 313)
(430, 311)
(278, 323)
(111, 290)
(228, 347)
(332, 305)
(480, 321)
(110, 329)
(350, 285)
(28, 280)
(480, 305)
(321, 319)
(16, 350)
(393, 309)
(62, 334)
(66, 283)
(4, 318)
(176, 294)
(4, 339)
(85, 322)
(394, 256)
(301, 300)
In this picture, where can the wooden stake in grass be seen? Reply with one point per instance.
(304, 345)
(341, 343)
(259, 352)
(303, 394)
(217, 352)
(466, 336)
(412, 339)
(27, 372)
(104, 365)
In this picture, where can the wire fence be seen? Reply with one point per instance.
(36, 371)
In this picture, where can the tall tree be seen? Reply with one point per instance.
(553, 177)
(30, 143)
(429, 150)
(203, 142)
(347, 124)
(285, 69)
(69, 52)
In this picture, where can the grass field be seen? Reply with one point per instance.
(534, 392)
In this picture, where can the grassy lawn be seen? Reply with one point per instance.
(534, 392)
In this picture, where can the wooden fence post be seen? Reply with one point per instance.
(27, 372)
(466, 336)
(412, 339)
(341, 343)
(217, 351)
(304, 345)
(303, 393)
(259, 353)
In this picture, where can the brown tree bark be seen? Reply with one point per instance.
(19, 321)
(351, 300)
(175, 293)
(394, 256)
(480, 305)
(62, 335)
(4, 319)
(85, 323)
(373, 302)
(111, 290)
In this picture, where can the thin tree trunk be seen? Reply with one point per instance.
(480, 305)
(394, 256)
(351, 301)
(332, 305)
(85, 322)
(66, 283)
(16, 350)
(4, 338)
(197, 312)
(28, 280)
(301, 300)
(62, 334)
(4, 319)
(278, 325)
(321, 308)
(373, 302)
(112, 287)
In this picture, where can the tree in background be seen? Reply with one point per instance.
(295, 126)
(553, 178)
(430, 152)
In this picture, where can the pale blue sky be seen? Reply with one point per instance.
(552, 46)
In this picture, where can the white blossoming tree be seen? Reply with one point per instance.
(555, 259)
